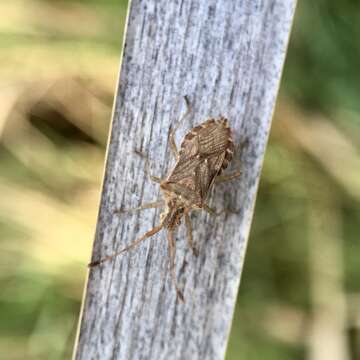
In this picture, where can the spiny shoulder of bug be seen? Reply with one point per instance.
(220, 121)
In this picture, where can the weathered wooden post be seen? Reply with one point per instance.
(227, 57)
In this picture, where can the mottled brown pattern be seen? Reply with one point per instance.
(205, 151)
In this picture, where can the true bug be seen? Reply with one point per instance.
(205, 152)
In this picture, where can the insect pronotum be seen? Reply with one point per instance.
(205, 152)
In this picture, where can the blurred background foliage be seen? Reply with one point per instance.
(300, 292)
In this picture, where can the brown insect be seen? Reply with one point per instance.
(204, 153)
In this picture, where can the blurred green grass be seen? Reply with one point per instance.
(59, 62)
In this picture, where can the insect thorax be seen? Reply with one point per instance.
(172, 215)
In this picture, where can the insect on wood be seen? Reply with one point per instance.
(205, 152)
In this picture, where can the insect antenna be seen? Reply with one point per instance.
(171, 241)
(148, 234)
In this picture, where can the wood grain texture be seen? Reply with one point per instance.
(227, 57)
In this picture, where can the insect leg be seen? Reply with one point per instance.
(153, 178)
(173, 130)
(155, 204)
(189, 235)
(171, 242)
(213, 211)
(129, 247)
(209, 210)
(227, 177)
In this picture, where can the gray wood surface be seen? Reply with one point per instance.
(227, 57)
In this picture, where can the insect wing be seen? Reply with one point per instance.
(205, 152)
